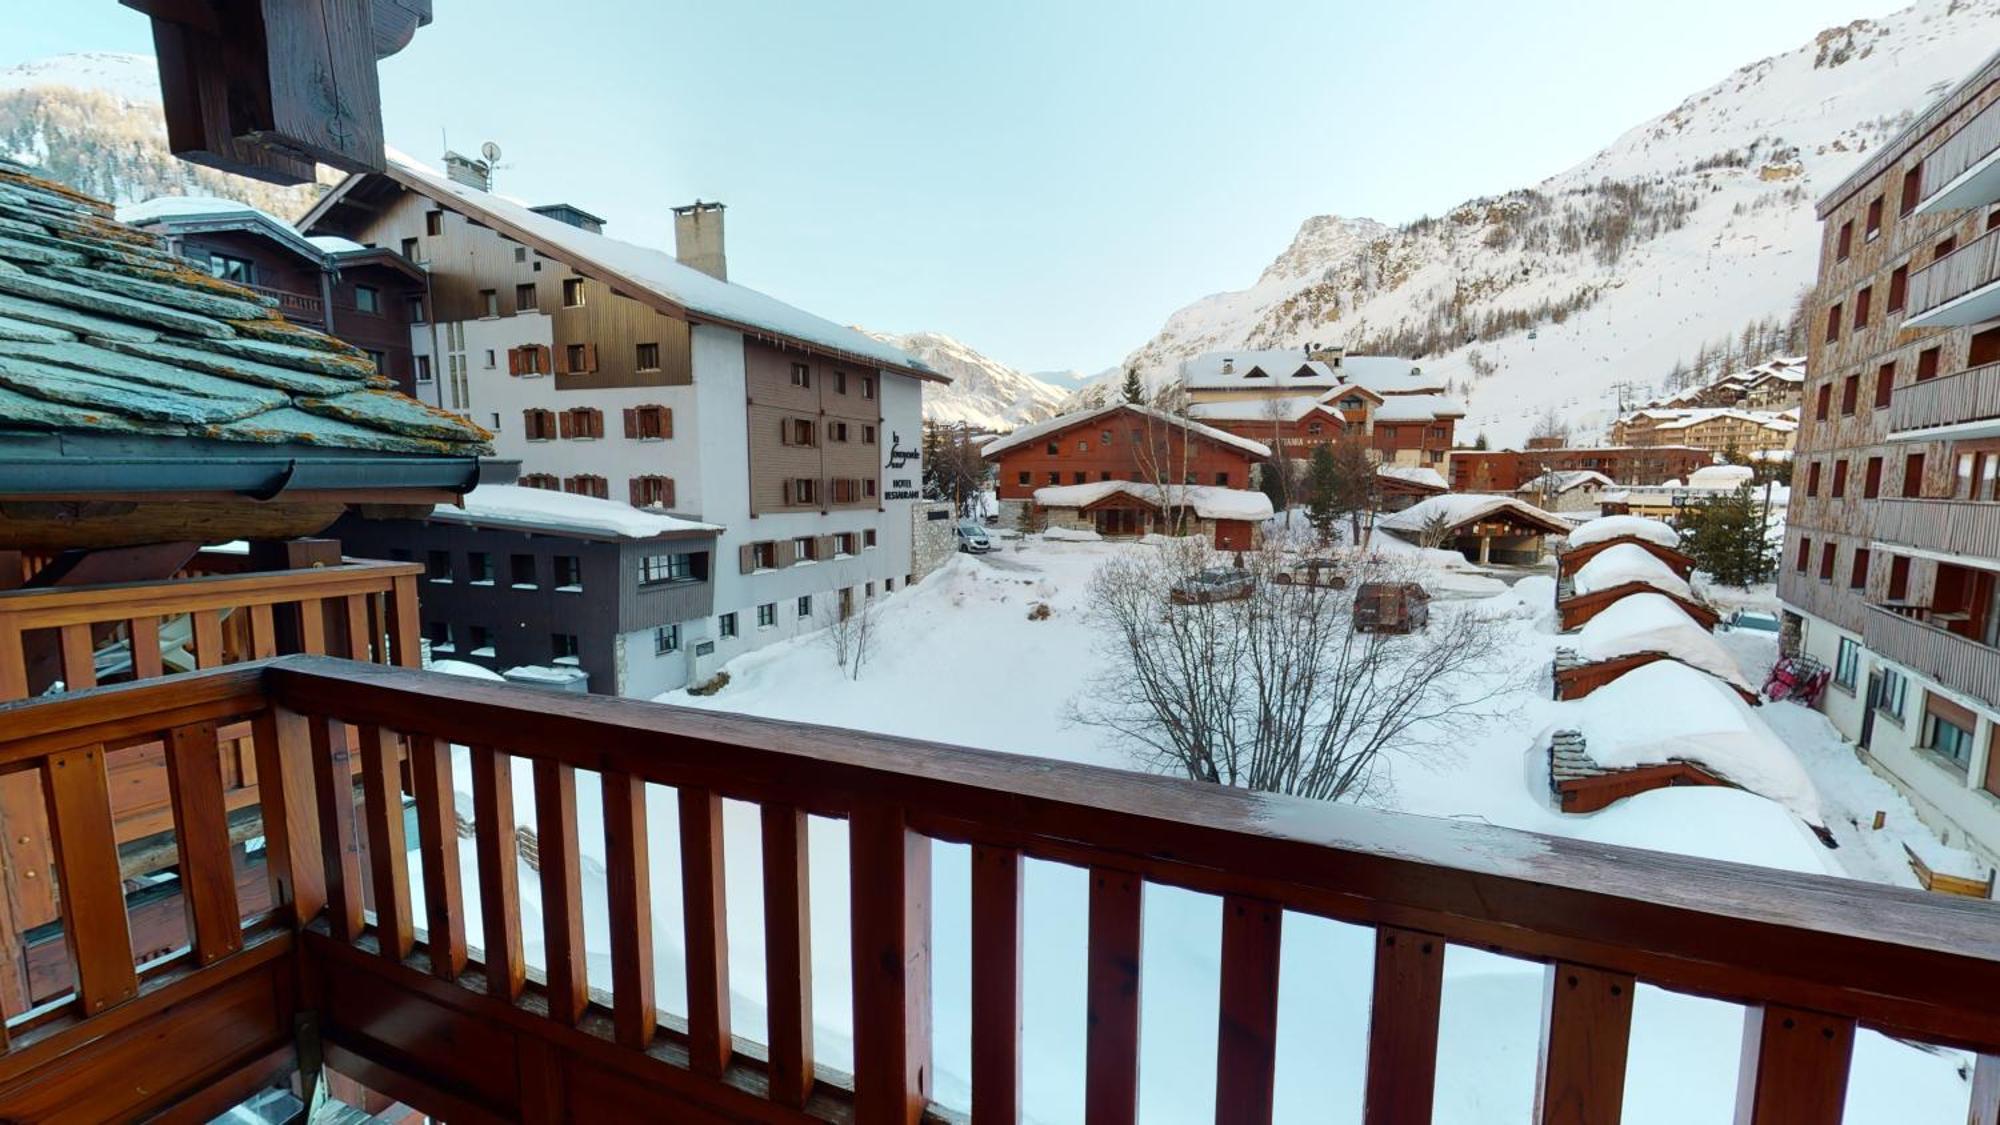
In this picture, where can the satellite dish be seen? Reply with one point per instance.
(491, 152)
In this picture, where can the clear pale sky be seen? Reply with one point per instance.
(1046, 181)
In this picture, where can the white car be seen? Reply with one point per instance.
(972, 538)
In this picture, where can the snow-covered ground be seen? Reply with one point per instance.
(957, 658)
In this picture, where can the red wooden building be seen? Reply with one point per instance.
(1121, 442)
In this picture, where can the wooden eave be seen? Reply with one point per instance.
(1574, 558)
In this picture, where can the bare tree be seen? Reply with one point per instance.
(1551, 424)
(847, 622)
(1276, 691)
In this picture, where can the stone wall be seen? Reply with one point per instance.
(933, 538)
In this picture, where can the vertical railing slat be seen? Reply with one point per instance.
(333, 783)
(889, 891)
(13, 660)
(404, 627)
(312, 626)
(93, 894)
(263, 631)
(996, 983)
(79, 672)
(788, 953)
(201, 838)
(628, 892)
(388, 842)
(1247, 1033)
(287, 795)
(562, 889)
(437, 839)
(1586, 1028)
(499, 877)
(1111, 1042)
(1793, 1069)
(706, 917)
(1403, 1027)
(355, 609)
(145, 634)
(208, 639)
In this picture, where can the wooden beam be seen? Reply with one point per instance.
(1247, 1039)
(1586, 1027)
(996, 983)
(628, 893)
(1111, 1037)
(333, 784)
(437, 838)
(201, 836)
(1794, 1067)
(788, 953)
(1403, 1027)
(562, 890)
(889, 882)
(707, 928)
(93, 896)
(499, 878)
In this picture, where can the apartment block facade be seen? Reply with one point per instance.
(1892, 553)
(617, 371)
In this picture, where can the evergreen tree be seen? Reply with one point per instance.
(1480, 441)
(1135, 391)
(1726, 538)
(1323, 491)
(1275, 480)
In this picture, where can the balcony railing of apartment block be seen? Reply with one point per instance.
(1972, 395)
(1914, 637)
(394, 995)
(1964, 280)
(1956, 527)
(306, 307)
(1972, 149)
(1830, 600)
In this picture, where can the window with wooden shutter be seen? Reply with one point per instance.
(560, 360)
(631, 422)
(567, 424)
(590, 357)
(514, 362)
(746, 559)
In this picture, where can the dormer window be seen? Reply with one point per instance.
(1256, 373)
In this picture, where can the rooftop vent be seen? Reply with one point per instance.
(462, 169)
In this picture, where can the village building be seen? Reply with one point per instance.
(1574, 490)
(1485, 529)
(1406, 415)
(622, 372)
(554, 589)
(1892, 550)
(1719, 430)
(1666, 501)
(1140, 445)
(1400, 486)
(368, 296)
(1505, 470)
(1227, 518)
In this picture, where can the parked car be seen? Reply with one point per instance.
(1214, 584)
(1391, 607)
(1312, 572)
(972, 538)
(1752, 620)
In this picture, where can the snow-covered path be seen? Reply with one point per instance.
(957, 659)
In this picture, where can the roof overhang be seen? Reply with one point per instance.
(43, 465)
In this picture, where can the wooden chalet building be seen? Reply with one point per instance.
(283, 941)
(1506, 470)
(1405, 414)
(1485, 529)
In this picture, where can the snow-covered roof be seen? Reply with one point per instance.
(1414, 474)
(1727, 477)
(1459, 508)
(1621, 563)
(1210, 502)
(1290, 367)
(334, 244)
(541, 509)
(1619, 527)
(1667, 712)
(465, 668)
(1684, 418)
(1562, 480)
(1656, 623)
(1289, 408)
(220, 214)
(1418, 408)
(642, 268)
(1062, 422)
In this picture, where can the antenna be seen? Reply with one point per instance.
(491, 153)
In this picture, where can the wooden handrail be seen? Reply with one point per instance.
(65, 605)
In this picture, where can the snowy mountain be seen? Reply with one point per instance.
(983, 391)
(1686, 231)
(93, 121)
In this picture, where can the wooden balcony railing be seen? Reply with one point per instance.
(307, 307)
(1972, 395)
(402, 1002)
(1972, 143)
(1956, 527)
(1957, 662)
(1971, 267)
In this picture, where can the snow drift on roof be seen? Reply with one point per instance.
(1065, 421)
(1562, 480)
(1628, 562)
(1289, 408)
(1655, 623)
(1463, 508)
(510, 505)
(1414, 474)
(1667, 712)
(1618, 527)
(1727, 477)
(659, 272)
(1210, 502)
(1418, 408)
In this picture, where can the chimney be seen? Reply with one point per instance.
(465, 170)
(698, 238)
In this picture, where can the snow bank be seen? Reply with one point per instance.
(461, 668)
(1617, 527)
(1629, 562)
(1074, 535)
(1654, 623)
(1667, 712)
(510, 505)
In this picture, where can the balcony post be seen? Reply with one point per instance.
(889, 873)
(1794, 1067)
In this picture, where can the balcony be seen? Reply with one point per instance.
(1965, 169)
(306, 308)
(1964, 404)
(394, 993)
(1950, 527)
(1909, 638)
(1961, 288)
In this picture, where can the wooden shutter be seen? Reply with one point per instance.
(666, 421)
(528, 425)
(561, 360)
(667, 492)
(566, 424)
(824, 549)
(785, 433)
(746, 558)
(590, 357)
(788, 552)
(513, 361)
(631, 422)
(638, 493)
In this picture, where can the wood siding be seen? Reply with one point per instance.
(1123, 446)
(774, 402)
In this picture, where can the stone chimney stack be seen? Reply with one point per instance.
(465, 170)
(698, 238)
